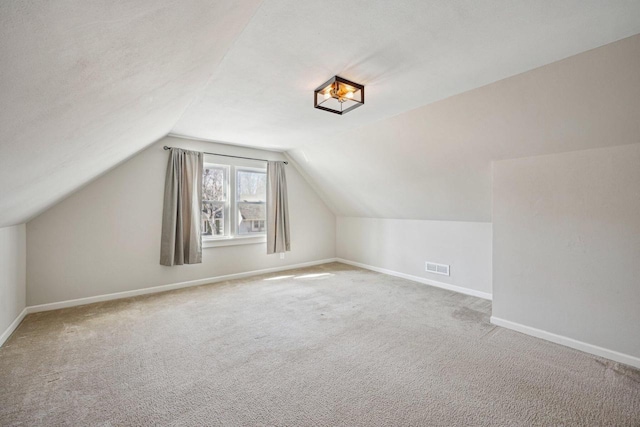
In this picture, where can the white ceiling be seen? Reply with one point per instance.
(435, 161)
(85, 85)
(408, 53)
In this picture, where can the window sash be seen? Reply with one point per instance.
(223, 224)
(249, 229)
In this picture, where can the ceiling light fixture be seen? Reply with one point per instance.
(338, 95)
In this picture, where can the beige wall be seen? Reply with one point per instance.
(12, 275)
(403, 246)
(430, 168)
(566, 245)
(106, 237)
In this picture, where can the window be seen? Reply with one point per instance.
(215, 204)
(251, 201)
(257, 225)
(238, 214)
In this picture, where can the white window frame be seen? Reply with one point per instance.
(227, 202)
(231, 236)
(235, 212)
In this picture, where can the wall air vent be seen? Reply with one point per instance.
(432, 267)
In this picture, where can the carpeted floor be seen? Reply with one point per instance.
(328, 345)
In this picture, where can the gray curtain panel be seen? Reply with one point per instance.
(181, 242)
(277, 209)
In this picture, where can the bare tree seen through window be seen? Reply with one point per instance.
(213, 201)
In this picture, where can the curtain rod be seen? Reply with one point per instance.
(229, 155)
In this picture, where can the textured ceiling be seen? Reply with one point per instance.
(434, 162)
(86, 84)
(408, 53)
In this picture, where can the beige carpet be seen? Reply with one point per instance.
(329, 345)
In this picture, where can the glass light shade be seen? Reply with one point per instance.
(338, 95)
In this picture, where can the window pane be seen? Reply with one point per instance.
(213, 184)
(252, 186)
(213, 218)
(251, 196)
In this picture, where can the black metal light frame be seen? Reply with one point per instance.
(338, 79)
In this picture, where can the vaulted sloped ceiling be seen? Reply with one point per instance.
(434, 162)
(86, 84)
(408, 53)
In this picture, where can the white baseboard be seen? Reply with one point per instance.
(163, 288)
(12, 327)
(447, 286)
(569, 342)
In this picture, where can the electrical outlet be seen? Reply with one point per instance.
(281, 255)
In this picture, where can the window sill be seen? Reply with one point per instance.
(234, 240)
